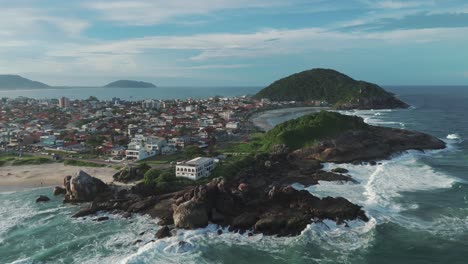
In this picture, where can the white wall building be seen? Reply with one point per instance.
(232, 125)
(196, 168)
(151, 104)
(142, 147)
(138, 151)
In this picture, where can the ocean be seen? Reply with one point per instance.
(417, 203)
(131, 94)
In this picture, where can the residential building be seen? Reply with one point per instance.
(64, 102)
(232, 125)
(138, 151)
(196, 168)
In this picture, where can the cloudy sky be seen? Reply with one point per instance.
(233, 42)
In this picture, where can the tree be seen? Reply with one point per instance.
(151, 176)
(193, 151)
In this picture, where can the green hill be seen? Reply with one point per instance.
(310, 129)
(339, 90)
(129, 84)
(18, 82)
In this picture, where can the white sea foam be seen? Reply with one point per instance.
(453, 137)
(381, 185)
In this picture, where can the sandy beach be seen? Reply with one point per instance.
(268, 119)
(30, 176)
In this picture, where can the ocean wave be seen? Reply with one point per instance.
(380, 187)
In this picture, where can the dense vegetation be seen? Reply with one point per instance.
(297, 133)
(129, 84)
(324, 85)
(164, 181)
(309, 129)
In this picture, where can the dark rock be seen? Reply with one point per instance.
(216, 217)
(127, 215)
(369, 144)
(219, 231)
(372, 163)
(340, 170)
(244, 221)
(163, 232)
(101, 218)
(137, 241)
(42, 198)
(243, 187)
(142, 233)
(59, 190)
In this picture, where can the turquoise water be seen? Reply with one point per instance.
(417, 202)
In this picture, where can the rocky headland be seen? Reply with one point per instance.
(258, 197)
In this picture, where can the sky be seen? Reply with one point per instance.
(234, 42)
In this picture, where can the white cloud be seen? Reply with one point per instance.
(259, 44)
(25, 22)
(149, 12)
(393, 4)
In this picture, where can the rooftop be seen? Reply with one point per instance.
(196, 161)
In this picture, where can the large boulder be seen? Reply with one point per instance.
(190, 214)
(59, 190)
(84, 188)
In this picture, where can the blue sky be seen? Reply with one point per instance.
(234, 42)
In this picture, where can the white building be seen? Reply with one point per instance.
(138, 151)
(196, 168)
(232, 125)
(151, 104)
(142, 147)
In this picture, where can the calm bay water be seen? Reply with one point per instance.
(131, 93)
(417, 202)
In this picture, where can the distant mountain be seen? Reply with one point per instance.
(339, 90)
(129, 84)
(18, 82)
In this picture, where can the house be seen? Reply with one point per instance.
(232, 125)
(138, 151)
(196, 168)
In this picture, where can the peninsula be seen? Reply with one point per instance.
(129, 84)
(331, 87)
(253, 193)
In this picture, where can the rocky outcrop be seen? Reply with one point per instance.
(259, 198)
(369, 145)
(84, 188)
(42, 198)
(59, 190)
(364, 102)
(163, 232)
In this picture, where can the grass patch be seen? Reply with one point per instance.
(31, 160)
(82, 163)
(166, 159)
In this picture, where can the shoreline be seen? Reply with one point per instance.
(14, 178)
(265, 120)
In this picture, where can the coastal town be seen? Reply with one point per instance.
(124, 132)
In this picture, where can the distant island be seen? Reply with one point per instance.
(337, 89)
(17, 82)
(129, 84)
